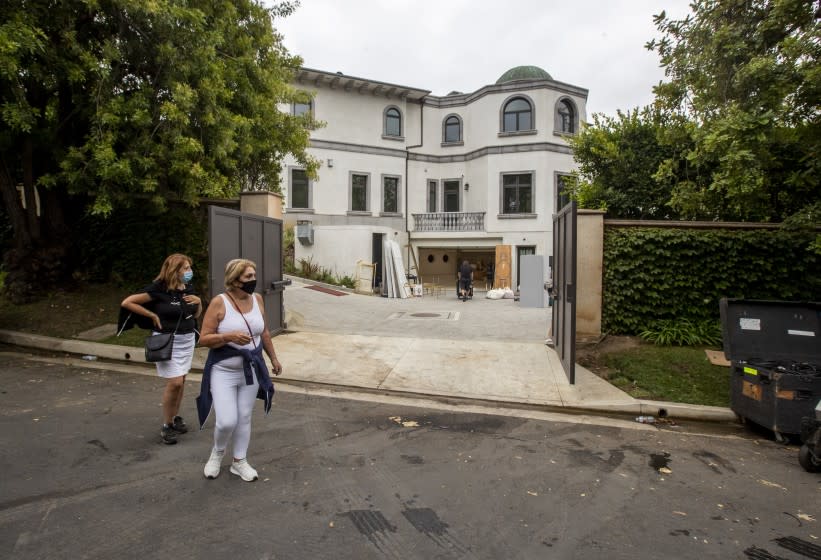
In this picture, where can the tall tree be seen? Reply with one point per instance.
(107, 100)
(617, 158)
(743, 77)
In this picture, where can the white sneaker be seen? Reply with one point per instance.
(212, 467)
(243, 470)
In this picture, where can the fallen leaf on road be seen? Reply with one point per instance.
(771, 484)
(405, 423)
(665, 470)
(532, 493)
(680, 513)
(805, 517)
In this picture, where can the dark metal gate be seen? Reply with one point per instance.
(234, 235)
(564, 288)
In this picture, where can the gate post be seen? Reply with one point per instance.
(589, 273)
(261, 203)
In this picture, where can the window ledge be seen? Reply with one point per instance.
(359, 213)
(517, 216)
(391, 214)
(565, 134)
(518, 133)
(394, 138)
(449, 144)
(299, 210)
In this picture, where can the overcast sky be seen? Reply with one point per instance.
(462, 45)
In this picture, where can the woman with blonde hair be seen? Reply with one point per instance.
(235, 373)
(170, 305)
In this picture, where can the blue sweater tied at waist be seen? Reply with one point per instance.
(252, 362)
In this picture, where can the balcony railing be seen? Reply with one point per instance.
(450, 221)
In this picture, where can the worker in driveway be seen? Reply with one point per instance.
(465, 279)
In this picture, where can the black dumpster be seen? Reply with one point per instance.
(775, 352)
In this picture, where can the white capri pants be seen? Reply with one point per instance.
(233, 406)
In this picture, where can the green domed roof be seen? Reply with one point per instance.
(524, 73)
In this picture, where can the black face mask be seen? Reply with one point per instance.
(248, 287)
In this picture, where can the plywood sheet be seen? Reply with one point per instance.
(717, 358)
(502, 275)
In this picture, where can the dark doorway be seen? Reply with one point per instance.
(450, 193)
(378, 239)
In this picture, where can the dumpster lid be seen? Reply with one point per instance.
(757, 330)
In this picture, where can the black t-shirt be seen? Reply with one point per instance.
(168, 304)
(464, 272)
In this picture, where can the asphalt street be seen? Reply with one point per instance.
(85, 476)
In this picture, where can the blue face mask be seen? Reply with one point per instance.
(187, 276)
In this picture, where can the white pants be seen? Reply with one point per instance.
(233, 405)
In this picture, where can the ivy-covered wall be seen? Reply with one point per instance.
(652, 274)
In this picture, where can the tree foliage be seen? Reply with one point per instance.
(108, 102)
(734, 133)
(743, 78)
(616, 159)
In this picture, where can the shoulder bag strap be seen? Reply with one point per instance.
(241, 314)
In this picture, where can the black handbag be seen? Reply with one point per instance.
(158, 347)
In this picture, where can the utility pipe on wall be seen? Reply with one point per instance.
(407, 157)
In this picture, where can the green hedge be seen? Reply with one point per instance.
(128, 247)
(653, 274)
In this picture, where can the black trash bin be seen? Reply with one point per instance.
(775, 352)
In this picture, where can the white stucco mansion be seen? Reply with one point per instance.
(448, 178)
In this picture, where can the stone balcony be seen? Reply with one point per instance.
(449, 221)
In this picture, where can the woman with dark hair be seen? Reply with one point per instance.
(171, 306)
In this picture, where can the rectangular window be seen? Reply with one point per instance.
(433, 195)
(450, 192)
(517, 193)
(359, 192)
(562, 197)
(390, 194)
(300, 189)
(302, 108)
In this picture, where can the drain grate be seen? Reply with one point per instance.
(436, 316)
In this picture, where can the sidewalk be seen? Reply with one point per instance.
(481, 350)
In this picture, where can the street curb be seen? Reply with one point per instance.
(130, 354)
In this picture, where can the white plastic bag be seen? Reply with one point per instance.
(495, 293)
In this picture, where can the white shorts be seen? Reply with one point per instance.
(181, 356)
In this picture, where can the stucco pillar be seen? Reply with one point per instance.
(589, 269)
(261, 203)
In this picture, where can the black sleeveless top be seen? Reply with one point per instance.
(168, 304)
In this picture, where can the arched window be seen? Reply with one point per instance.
(565, 117)
(452, 129)
(393, 122)
(517, 115)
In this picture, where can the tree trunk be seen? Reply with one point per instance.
(29, 190)
(39, 259)
(14, 207)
